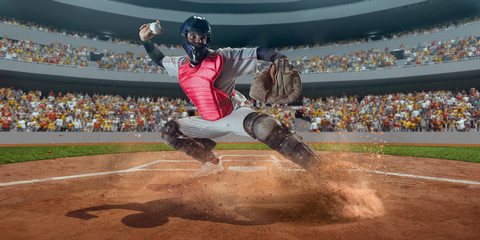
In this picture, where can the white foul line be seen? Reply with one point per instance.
(63, 178)
(275, 161)
(419, 176)
(134, 169)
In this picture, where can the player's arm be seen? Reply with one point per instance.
(268, 55)
(146, 34)
(279, 83)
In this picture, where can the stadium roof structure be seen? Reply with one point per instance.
(270, 23)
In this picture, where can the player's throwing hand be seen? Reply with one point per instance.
(146, 33)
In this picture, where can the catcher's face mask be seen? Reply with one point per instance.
(196, 35)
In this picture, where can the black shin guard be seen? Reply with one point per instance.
(280, 138)
(198, 148)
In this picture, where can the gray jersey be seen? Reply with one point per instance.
(236, 62)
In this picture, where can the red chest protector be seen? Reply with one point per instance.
(197, 83)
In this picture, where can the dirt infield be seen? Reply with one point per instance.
(260, 195)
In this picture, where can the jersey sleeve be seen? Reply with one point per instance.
(172, 64)
(241, 61)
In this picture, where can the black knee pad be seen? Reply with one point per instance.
(279, 137)
(171, 133)
(198, 148)
(260, 126)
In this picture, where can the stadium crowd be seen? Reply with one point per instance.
(55, 53)
(427, 53)
(128, 62)
(458, 49)
(66, 55)
(392, 35)
(443, 51)
(399, 112)
(416, 111)
(64, 32)
(437, 111)
(32, 111)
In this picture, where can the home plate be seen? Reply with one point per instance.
(246, 169)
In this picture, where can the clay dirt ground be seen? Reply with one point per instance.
(260, 195)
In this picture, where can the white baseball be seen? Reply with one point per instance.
(155, 27)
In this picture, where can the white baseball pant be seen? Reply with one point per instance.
(200, 128)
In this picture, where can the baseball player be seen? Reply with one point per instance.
(208, 79)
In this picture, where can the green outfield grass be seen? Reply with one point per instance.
(23, 154)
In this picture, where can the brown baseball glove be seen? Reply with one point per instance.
(285, 87)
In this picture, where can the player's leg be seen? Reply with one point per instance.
(280, 138)
(198, 148)
(247, 122)
(201, 128)
(193, 136)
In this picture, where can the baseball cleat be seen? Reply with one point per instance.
(207, 169)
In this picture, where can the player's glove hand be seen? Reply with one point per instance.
(278, 84)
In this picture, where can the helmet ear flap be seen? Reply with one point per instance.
(209, 39)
